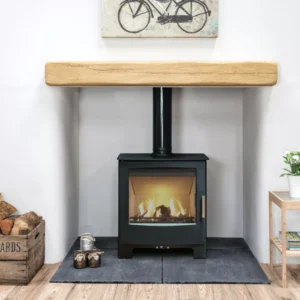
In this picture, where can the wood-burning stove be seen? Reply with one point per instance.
(162, 196)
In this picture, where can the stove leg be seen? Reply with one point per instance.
(199, 252)
(125, 251)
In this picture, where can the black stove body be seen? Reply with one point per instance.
(162, 196)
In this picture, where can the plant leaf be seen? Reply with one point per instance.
(284, 174)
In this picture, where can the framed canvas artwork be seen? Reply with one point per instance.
(160, 18)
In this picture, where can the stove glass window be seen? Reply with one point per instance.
(162, 196)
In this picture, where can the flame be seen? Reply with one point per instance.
(182, 211)
(172, 207)
(176, 210)
(149, 208)
(158, 213)
(141, 208)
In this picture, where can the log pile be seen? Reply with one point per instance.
(16, 224)
(6, 226)
(25, 223)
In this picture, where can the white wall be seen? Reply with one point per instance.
(39, 124)
(271, 116)
(115, 120)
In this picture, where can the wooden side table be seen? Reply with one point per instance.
(283, 200)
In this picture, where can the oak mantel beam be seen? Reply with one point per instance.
(161, 73)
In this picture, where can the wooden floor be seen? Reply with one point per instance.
(40, 288)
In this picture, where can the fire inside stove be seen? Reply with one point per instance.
(165, 196)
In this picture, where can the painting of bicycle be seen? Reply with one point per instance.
(160, 18)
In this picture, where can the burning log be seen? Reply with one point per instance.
(164, 211)
(143, 215)
(139, 217)
(182, 219)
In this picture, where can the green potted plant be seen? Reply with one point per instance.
(292, 158)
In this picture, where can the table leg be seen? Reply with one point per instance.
(283, 229)
(271, 233)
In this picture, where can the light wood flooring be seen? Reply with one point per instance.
(40, 288)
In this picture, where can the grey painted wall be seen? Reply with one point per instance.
(114, 120)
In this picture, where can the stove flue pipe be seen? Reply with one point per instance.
(162, 122)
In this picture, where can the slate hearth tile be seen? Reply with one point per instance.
(142, 268)
(223, 265)
(226, 265)
(226, 243)
(182, 268)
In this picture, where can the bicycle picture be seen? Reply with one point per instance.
(149, 17)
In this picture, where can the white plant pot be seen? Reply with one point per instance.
(294, 183)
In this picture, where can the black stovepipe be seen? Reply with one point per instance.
(162, 122)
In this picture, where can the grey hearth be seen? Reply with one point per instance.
(228, 261)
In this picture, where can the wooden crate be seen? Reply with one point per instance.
(21, 257)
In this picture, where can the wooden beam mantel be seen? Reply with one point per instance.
(161, 73)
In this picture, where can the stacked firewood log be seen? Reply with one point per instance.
(11, 224)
